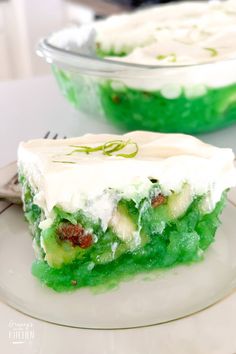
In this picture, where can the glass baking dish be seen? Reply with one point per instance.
(187, 98)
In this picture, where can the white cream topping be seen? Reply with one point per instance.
(171, 35)
(184, 33)
(167, 35)
(95, 181)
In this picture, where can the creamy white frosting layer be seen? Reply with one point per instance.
(183, 33)
(95, 181)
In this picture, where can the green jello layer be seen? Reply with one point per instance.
(137, 109)
(133, 109)
(164, 240)
(182, 242)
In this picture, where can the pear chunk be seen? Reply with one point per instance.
(122, 224)
(179, 203)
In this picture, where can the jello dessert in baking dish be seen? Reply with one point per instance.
(169, 68)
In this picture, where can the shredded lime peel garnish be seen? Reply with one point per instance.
(171, 57)
(213, 51)
(70, 162)
(108, 149)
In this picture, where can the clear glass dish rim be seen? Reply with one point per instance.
(89, 64)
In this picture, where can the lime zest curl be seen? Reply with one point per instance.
(213, 52)
(57, 161)
(108, 149)
(171, 57)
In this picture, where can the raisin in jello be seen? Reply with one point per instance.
(104, 207)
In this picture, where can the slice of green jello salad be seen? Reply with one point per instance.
(102, 208)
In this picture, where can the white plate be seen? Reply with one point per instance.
(162, 297)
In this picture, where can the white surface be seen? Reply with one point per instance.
(211, 331)
(25, 22)
(30, 108)
(5, 61)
